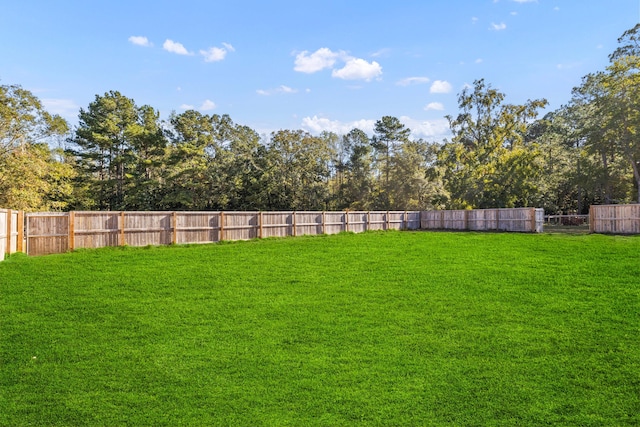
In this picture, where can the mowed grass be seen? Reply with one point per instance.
(393, 328)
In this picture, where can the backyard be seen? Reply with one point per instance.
(379, 328)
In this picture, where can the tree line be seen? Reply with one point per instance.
(122, 156)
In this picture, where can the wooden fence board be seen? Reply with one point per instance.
(4, 235)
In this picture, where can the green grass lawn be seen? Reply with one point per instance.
(395, 328)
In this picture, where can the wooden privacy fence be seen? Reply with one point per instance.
(11, 232)
(615, 219)
(48, 233)
(529, 220)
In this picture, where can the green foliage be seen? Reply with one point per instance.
(489, 163)
(297, 171)
(32, 175)
(391, 328)
(119, 148)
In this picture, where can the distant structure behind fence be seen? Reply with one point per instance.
(44, 233)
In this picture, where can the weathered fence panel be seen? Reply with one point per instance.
(615, 219)
(456, 220)
(516, 219)
(240, 225)
(277, 224)
(197, 227)
(335, 222)
(308, 223)
(11, 232)
(412, 221)
(148, 228)
(47, 233)
(357, 221)
(96, 229)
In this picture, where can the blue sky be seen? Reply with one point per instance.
(322, 65)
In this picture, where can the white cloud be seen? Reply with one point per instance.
(440, 86)
(474, 19)
(525, 1)
(382, 52)
(175, 47)
(479, 61)
(432, 129)
(208, 105)
(187, 107)
(428, 129)
(279, 89)
(568, 65)
(413, 81)
(63, 107)
(358, 69)
(317, 124)
(140, 41)
(318, 60)
(436, 106)
(353, 69)
(214, 54)
(498, 27)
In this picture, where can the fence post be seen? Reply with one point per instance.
(387, 221)
(441, 220)
(20, 243)
(346, 220)
(533, 220)
(122, 237)
(174, 236)
(221, 236)
(260, 225)
(72, 230)
(466, 219)
(324, 222)
(293, 223)
(7, 248)
(592, 219)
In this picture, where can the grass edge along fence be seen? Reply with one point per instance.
(57, 232)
